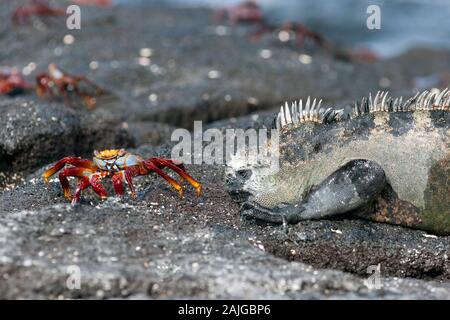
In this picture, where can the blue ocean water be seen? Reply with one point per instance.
(404, 23)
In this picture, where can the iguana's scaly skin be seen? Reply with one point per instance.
(388, 161)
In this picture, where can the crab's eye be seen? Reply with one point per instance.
(121, 153)
(96, 153)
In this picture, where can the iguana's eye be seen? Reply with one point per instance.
(317, 147)
(244, 173)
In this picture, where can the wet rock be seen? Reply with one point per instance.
(256, 120)
(148, 132)
(160, 246)
(32, 134)
(187, 68)
(354, 245)
(406, 70)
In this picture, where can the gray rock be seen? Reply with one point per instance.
(255, 120)
(34, 133)
(404, 71)
(197, 70)
(354, 245)
(148, 132)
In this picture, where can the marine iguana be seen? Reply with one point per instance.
(387, 160)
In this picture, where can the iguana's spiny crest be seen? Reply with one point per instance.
(311, 111)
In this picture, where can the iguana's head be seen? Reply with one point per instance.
(246, 179)
(247, 170)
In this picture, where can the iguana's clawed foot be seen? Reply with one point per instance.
(282, 213)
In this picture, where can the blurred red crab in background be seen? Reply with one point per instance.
(57, 82)
(245, 12)
(98, 3)
(251, 13)
(12, 82)
(299, 31)
(39, 8)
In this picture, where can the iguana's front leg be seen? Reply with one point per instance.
(351, 187)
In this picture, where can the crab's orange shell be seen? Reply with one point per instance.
(108, 154)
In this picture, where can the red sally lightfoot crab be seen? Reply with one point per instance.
(35, 8)
(98, 3)
(300, 32)
(245, 12)
(12, 82)
(118, 165)
(58, 82)
(251, 13)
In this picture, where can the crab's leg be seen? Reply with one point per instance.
(299, 37)
(41, 89)
(97, 186)
(19, 16)
(178, 168)
(131, 172)
(150, 165)
(82, 184)
(263, 29)
(88, 100)
(71, 172)
(65, 83)
(117, 180)
(163, 163)
(63, 90)
(98, 90)
(75, 161)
